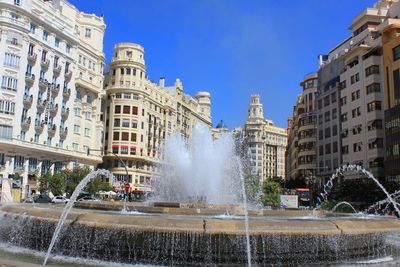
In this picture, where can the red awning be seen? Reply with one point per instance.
(133, 147)
(115, 146)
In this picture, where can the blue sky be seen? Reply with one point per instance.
(231, 48)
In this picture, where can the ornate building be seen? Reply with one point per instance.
(266, 143)
(51, 70)
(139, 116)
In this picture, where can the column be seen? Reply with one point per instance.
(24, 184)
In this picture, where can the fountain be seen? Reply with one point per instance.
(198, 218)
(343, 203)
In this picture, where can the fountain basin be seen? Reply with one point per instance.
(195, 239)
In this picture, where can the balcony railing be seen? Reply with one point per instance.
(32, 57)
(29, 78)
(28, 99)
(45, 63)
(57, 69)
(41, 106)
(66, 93)
(63, 133)
(14, 43)
(65, 113)
(43, 85)
(53, 109)
(26, 123)
(68, 75)
(52, 130)
(39, 126)
(55, 89)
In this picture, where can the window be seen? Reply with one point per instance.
(77, 128)
(87, 132)
(75, 146)
(12, 60)
(334, 130)
(125, 136)
(374, 105)
(345, 150)
(343, 117)
(375, 124)
(396, 53)
(327, 132)
(356, 112)
(77, 112)
(88, 115)
(9, 83)
(396, 84)
(374, 87)
(86, 149)
(133, 137)
(17, 2)
(321, 150)
(374, 69)
(357, 129)
(45, 35)
(57, 42)
(357, 147)
(333, 97)
(33, 28)
(117, 122)
(343, 101)
(327, 116)
(124, 150)
(88, 32)
(375, 143)
(134, 110)
(126, 123)
(134, 124)
(116, 136)
(117, 110)
(326, 101)
(68, 48)
(334, 114)
(328, 149)
(127, 110)
(7, 107)
(355, 95)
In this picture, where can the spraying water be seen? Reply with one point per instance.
(246, 215)
(202, 170)
(343, 203)
(71, 202)
(356, 168)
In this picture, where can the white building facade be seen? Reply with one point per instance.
(51, 68)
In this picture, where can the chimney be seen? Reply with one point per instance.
(162, 82)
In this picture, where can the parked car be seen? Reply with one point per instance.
(87, 198)
(60, 199)
(42, 198)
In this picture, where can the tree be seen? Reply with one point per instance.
(74, 176)
(54, 183)
(271, 190)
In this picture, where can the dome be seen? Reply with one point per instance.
(221, 124)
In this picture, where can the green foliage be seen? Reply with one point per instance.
(271, 190)
(73, 177)
(54, 183)
(252, 186)
(67, 180)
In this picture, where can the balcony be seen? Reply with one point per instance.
(57, 70)
(55, 89)
(52, 130)
(32, 57)
(43, 85)
(18, 169)
(28, 99)
(29, 78)
(68, 75)
(45, 63)
(66, 93)
(39, 126)
(53, 109)
(14, 42)
(41, 106)
(63, 133)
(64, 113)
(26, 123)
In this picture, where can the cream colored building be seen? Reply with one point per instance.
(301, 150)
(266, 143)
(139, 116)
(52, 73)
